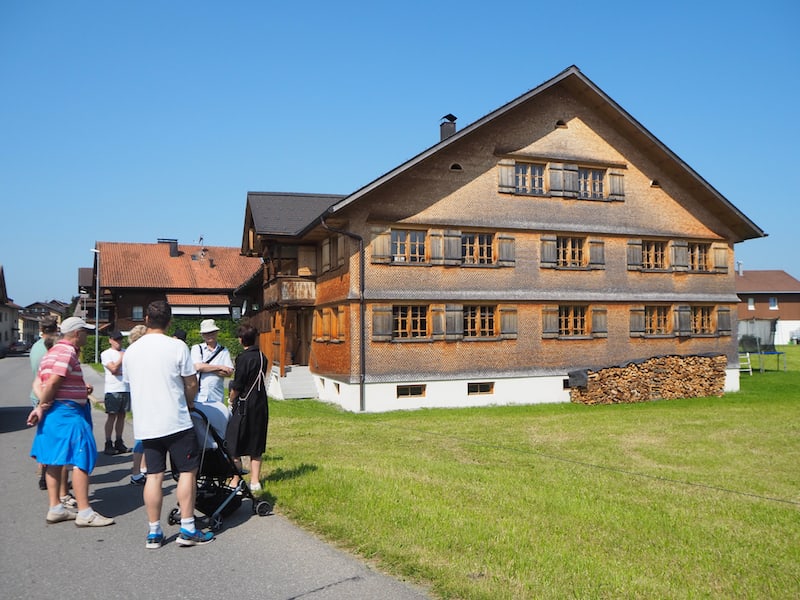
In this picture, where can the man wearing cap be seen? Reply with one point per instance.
(212, 362)
(117, 398)
(64, 425)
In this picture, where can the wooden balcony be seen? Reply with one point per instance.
(290, 291)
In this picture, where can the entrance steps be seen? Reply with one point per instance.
(298, 383)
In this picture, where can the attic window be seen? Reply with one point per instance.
(560, 124)
(455, 167)
(655, 184)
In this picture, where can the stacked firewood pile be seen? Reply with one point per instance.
(659, 378)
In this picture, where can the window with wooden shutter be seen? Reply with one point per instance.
(477, 248)
(599, 322)
(381, 323)
(436, 246)
(452, 247)
(616, 184)
(699, 259)
(409, 321)
(723, 320)
(654, 254)
(683, 321)
(529, 178)
(550, 322)
(437, 312)
(340, 323)
(720, 258)
(454, 321)
(479, 321)
(571, 182)
(637, 321)
(341, 250)
(590, 183)
(508, 322)
(680, 255)
(506, 250)
(549, 252)
(381, 246)
(597, 254)
(634, 255)
(505, 169)
(656, 320)
(326, 255)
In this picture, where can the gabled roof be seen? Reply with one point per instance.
(201, 268)
(286, 214)
(772, 282)
(581, 86)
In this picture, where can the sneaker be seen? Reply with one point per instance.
(139, 479)
(154, 540)
(110, 449)
(120, 447)
(93, 520)
(255, 487)
(61, 515)
(69, 502)
(195, 538)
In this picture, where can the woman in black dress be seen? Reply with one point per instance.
(247, 429)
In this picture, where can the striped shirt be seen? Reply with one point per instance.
(62, 360)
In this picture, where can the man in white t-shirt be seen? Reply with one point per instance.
(163, 384)
(213, 364)
(117, 399)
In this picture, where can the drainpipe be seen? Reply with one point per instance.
(362, 367)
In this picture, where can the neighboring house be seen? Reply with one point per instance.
(554, 234)
(772, 296)
(9, 316)
(194, 279)
(31, 315)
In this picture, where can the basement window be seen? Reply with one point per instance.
(480, 387)
(411, 391)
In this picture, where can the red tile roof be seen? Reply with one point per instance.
(766, 282)
(201, 268)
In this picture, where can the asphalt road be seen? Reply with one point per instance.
(252, 557)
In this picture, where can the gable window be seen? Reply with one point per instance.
(477, 248)
(479, 321)
(751, 303)
(698, 256)
(408, 245)
(590, 183)
(654, 254)
(529, 178)
(409, 322)
(773, 303)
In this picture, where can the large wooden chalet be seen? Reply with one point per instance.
(555, 233)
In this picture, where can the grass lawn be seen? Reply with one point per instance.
(696, 498)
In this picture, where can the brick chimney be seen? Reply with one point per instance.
(447, 127)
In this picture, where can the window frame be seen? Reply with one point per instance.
(402, 251)
(478, 251)
(410, 319)
(480, 321)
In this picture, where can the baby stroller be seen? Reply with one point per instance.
(214, 498)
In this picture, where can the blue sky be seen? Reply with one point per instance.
(130, 121)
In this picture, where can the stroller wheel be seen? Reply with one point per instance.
(215, 523)
(174, 516)
(263, 508)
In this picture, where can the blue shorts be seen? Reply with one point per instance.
(117, 402)
(64, 436)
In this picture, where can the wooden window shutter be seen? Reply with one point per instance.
(599, 322)
(720, 258)
(454, 321)
(508, 322)
(340, 318)
(680, 255)
(683, 321)
(436, 246)
(556, 179)
(452, 247)
(597, 254)
(507, 180)
(723, 320)
(549, 251)
(570, 181)
(326, 324)
(437, 312)
(634, 255)
(506, 250)
(550, 322)
(381, 323)
(381, 245)
(637, 321)
(326, 255)
(341, 250)
(616, 186)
